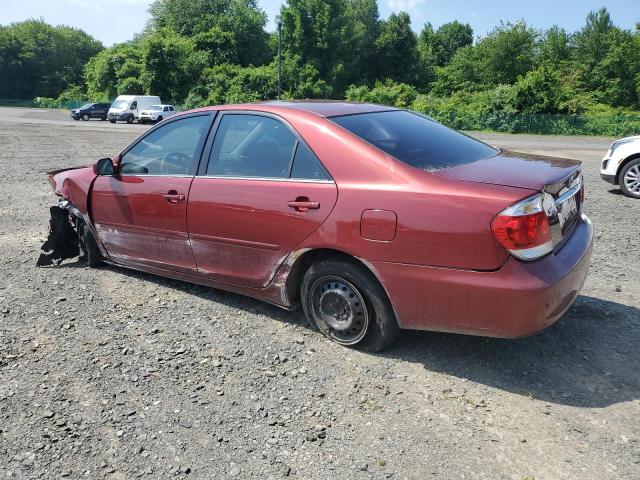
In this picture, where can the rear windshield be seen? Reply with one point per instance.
(415, 139)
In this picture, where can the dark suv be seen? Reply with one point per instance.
(91, 110)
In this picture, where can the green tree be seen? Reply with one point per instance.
(363, 28)
(555, 46)
(397, 52)
(591, 42)
(238, 25)
(444, 42)
(170, 65)
(105, 73)
(37, 59)
(315, 31)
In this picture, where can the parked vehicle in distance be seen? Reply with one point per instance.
(371, 218)
(157, 113)
(127, 108)
(91, 110)
(621, 165)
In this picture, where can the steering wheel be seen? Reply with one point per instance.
(177, 160)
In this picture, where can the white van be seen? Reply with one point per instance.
(127, 108)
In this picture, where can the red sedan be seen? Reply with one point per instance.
(373, 219)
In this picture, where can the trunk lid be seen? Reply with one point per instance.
(558, 179)
(512, 169)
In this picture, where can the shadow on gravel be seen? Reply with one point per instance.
(590, 358)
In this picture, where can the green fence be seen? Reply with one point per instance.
(536, 123)
(42, 102)
(546, 124)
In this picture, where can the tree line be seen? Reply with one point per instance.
(203, 52)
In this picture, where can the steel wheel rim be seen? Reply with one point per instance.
(632, 179)
(339, 310)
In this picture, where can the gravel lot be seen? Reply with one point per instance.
(109, 373)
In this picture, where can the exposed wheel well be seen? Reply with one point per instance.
(623, 163)
(302, 264)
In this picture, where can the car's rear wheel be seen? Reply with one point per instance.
(85, 117)
(112, 121)
(91, 253)
(348, 305)
(130, 120)
(630, 179)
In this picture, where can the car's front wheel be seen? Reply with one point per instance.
(630, 179)
(159, 119)
(91, 253)
(348, 305)
(130, 120)
(85, 117)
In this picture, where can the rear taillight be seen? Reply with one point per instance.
(523, 229)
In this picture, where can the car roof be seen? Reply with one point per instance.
(329, 108)
(322, 108)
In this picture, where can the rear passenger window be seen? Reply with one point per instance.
(307, 166)
(251, 146)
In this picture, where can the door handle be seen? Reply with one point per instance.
(302, 204)
(173, 197)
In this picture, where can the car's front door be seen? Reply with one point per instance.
(99, 111)
(259, 193)
(140, 212)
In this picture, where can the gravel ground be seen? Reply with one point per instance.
(108, 373)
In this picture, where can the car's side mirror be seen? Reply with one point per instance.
(104, 166)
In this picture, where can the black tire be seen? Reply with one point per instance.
(91, 253)
(159, 119)
(76, 118)
(112, 121)
(335, 284)
(631, 169)
(130, 119)
(103, 118)
(86, 117)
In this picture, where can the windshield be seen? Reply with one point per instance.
(155, 108)
(415, 139)
(120, 104)
(85, 106)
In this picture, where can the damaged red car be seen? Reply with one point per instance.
(372, 219)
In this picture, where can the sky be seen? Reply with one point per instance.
(113, 21)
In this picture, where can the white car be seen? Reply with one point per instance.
(621, 165)
(127, 108)
(156, 113)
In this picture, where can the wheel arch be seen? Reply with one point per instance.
(306, 259)
(627, 160)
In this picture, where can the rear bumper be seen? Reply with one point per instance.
(517, 300)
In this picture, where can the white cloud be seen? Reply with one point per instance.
(404, 5)
(86, 4)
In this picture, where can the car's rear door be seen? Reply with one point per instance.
(141, 212)
(259, 193)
